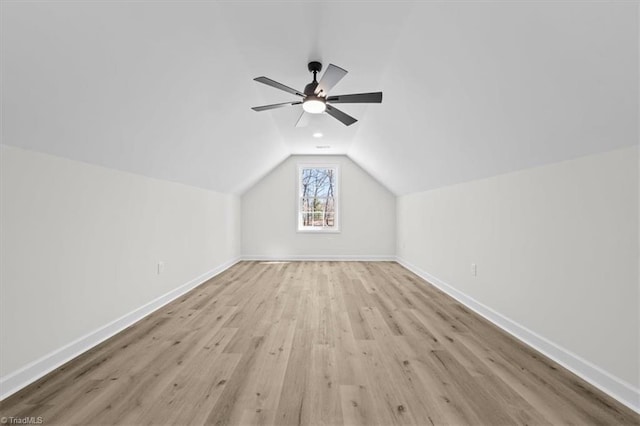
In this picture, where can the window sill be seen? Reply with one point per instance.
(318, 231)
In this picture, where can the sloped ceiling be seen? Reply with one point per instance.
(471, 89)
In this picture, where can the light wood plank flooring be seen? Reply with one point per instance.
(314, 343)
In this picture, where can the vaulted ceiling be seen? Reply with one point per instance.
(471, 89)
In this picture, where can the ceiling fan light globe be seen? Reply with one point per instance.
(314, 106)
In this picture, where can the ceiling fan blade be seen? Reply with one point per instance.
(274, 106)
(330, 78)
(346, 119)
(303, 120)
(359, 98)
(273, 83)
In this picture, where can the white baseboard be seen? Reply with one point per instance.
(617, 388)
(320, 258)
(613, 386)
(13, 382)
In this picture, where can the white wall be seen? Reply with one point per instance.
(367, 216)
(80, 246)
(556, 249)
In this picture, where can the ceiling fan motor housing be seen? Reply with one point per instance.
(310, 89)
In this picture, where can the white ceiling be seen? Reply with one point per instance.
(471, 89)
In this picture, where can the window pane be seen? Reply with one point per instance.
(330, 205)
(330, 220)
(317, 211)
(307, 219)
(317, 183)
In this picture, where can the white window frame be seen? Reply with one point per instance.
(315, 230)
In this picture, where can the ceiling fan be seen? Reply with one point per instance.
(315, 99)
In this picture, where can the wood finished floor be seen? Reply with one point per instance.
(314, 343)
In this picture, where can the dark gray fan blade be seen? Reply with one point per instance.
(303, 120)
(346, 119)
(359, 98)
(274, 106)
(272, 83)
(330, 78)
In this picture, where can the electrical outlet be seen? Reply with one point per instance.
(474, 270)
(160, 267)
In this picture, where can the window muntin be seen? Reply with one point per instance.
(318, 198)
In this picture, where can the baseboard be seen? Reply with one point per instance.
(13, 382)
(619, 389)
(321, 257)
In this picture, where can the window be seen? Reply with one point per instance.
(318, 198)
